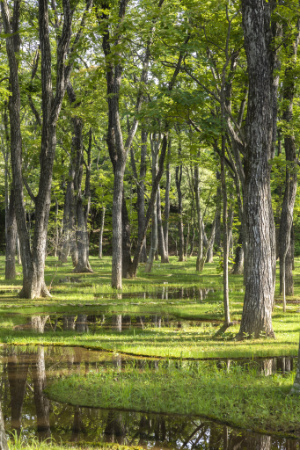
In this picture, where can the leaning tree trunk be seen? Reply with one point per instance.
(259, 281)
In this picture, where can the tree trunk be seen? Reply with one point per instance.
(101, 232)
(180, 221)
(258, 220)
(68, 237)
(33, 260)
(225, 239)
(83, 197)
(200, 260)
(141, 194)
(161, 237)
(167, 200)
(154, 232)
(286, 221)
(11, 236)
(238, 267)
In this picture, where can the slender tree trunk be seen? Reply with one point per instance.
(225, 238)
(259, 276)
(68, 238)
(11, 237)
(200, 260)
(141, 194)
(286, 221)
(18, 250)
(161, 237)
(238, 267)
(167, 199)
(101, 232)
(154, 232)
(180, 220)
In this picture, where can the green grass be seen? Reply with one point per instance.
(238, 397)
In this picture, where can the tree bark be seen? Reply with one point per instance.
(259, 277)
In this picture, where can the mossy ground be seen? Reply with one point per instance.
(92, 294)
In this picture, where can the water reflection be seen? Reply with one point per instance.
(25, 373)
(164, 293)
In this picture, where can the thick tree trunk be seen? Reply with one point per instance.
(259, 277)
(11, 237)
(101, 232)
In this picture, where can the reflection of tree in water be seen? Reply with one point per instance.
(3, 440)
(17, 369)
(81, 324)
(115, 430)
(38, 323)
(42, 403)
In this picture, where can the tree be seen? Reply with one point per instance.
(33, 258)
(258, 219)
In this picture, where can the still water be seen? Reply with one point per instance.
(25, 371)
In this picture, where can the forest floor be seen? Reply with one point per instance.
(189, 310)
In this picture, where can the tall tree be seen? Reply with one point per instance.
(258, 220)
(33, 257)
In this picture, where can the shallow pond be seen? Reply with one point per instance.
(26, 371)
